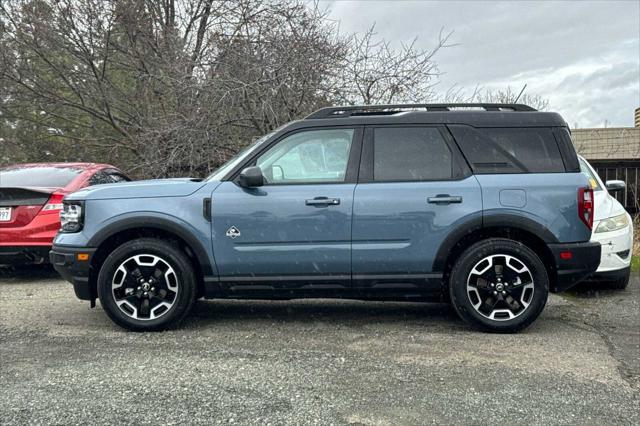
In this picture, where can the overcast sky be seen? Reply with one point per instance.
(583, 56)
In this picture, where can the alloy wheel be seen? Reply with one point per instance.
(500, 287)
(144, 287)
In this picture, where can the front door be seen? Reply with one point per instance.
(293, 233)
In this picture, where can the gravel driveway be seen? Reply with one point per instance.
(316, 362)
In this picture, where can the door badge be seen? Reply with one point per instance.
(233, 232)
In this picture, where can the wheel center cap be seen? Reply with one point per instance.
(499, 286)
(146, 286)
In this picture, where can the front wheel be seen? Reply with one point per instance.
(146, 285)
(499, 285)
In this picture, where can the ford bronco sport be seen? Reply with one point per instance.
(481, 205)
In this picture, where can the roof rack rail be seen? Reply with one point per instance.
(348, 111)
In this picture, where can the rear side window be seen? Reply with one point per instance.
(117, 177)
(99, 178)
(410, 154)
(106, 176)
(509, 150)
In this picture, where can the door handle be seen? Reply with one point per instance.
(444, 199)
(322, 201)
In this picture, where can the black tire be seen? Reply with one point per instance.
(473, 256)
(171, 256)
(621, 282)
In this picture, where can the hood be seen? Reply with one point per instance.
(139, 189)
(606, 205)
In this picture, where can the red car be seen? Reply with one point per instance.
(30, 203)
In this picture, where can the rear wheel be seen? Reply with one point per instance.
(499, 285)
(146, 284)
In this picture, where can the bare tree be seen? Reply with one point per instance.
(376, 73)
(502, 96)
(169, 87)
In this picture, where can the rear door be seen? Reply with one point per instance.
(293, 233)
(414, 188)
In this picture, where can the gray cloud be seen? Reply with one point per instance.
(582, 55)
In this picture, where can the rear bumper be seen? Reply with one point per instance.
(65, 261)
(39, 232)
(583, 261)
(24, 255)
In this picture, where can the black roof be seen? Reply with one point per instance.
(476, 114)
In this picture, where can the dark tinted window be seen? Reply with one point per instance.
(117, 177)
(100, 178)
(509, 150)
(410, 154)
(103, 177)
(54, 177)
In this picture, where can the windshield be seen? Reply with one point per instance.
(221, 171)
(589, 173)
(51, 177)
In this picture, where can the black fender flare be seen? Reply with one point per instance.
(491, 220)
(180, 229)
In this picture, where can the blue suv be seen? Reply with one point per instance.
(480, 205)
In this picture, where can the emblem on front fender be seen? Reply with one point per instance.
(233, 232)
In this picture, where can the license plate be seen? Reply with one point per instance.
(5, 214)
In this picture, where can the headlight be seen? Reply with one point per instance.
(613, 223)
(71, 217)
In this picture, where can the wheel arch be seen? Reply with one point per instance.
(131, 228)
(517, 228)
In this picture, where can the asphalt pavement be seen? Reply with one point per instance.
(316, 362)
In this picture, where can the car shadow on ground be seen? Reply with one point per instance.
(597, 289)
(26, 274)
(314, 310)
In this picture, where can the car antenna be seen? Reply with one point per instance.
(520, 94)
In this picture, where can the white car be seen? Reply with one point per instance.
(612, 228)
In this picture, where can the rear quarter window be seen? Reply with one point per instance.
(509, 150)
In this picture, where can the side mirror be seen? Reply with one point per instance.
(251, 177)
(615, 185)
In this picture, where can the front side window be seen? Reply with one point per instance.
(410, 154)
(314, 156)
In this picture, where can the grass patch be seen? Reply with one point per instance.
(635, 263)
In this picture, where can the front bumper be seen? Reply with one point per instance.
(574, 263)
(610, 276)
(616, 249)
(78, 272)
(24, 255)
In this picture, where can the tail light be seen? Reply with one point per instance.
(54, 204)
(585, 206)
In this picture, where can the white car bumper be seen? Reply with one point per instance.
(616, 248)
